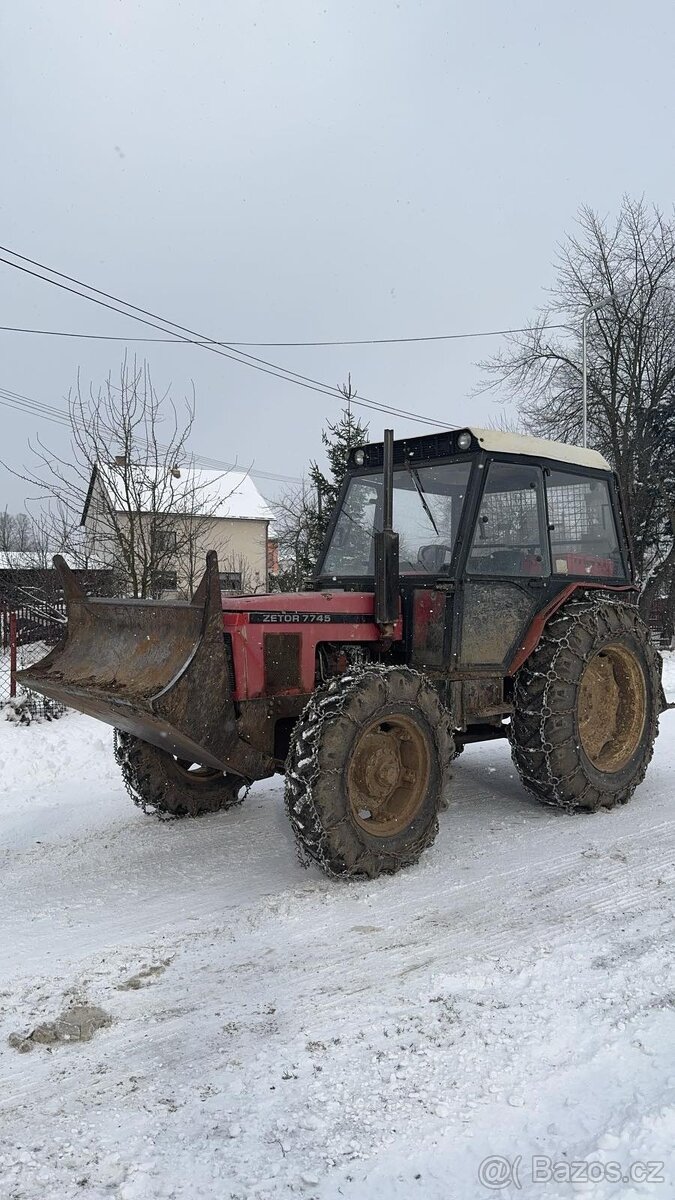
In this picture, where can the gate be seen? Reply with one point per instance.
(27, 633)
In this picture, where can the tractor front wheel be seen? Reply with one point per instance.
(587, 703)
(366, 771)
(166, 786)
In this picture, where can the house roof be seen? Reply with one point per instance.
(33, 560)
(230, 494)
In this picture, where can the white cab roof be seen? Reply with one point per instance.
(518, 443)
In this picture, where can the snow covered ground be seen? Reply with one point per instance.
(276, 1034)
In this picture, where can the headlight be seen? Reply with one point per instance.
(464, 440)
(359, 457)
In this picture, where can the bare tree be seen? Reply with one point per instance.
(23, 561)
(16, 532)
(623, 277)
(6, 530)
(147, 510)
(18, 545)
(297, 532)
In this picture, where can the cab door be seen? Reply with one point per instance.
(506, 568)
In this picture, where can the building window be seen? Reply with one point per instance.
(230, 581)
(165, 541)
(164, 581)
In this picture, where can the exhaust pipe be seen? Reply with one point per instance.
(387, 590)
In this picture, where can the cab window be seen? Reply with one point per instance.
(582, 528)
(428, 503)
(509, 537)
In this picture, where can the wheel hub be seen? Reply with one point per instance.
(611, 708)
(388, 775)
(383, 770)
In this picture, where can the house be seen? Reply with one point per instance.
(160, 522)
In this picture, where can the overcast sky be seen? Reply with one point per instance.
(290, 170)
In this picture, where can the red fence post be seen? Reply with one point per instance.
(12, 654)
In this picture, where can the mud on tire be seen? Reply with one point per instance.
(161, 785)
(587, 703)
(366, 771)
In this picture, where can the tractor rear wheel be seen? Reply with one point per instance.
(167, 786)
(366, 771)
(587, 703)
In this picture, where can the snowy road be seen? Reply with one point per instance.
(512, 995)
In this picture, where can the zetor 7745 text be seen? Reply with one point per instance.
(472, 585)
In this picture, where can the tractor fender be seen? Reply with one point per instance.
(538, 624)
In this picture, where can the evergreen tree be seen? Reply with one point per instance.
(339, 438)
(301, 514)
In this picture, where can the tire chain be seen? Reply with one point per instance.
(556, 639)
(122, 744)
(326, 702)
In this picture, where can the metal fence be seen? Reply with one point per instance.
(27, 633)
(661, 624)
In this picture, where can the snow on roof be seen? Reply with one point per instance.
(30, 560)
(234, 494)
(20, 560)
(231, 494)
(518, 443)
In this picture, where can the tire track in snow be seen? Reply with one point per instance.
(464, 933)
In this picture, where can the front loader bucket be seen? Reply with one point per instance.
(156, 669)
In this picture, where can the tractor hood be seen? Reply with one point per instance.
(274, 638)
(302, 608)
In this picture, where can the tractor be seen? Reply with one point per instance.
(472, 585)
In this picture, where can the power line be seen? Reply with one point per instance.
(226, 350)
(176, 341)
(57, 416)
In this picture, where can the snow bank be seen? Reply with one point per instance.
(669, 673)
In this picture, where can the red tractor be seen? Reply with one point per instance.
(472, 585)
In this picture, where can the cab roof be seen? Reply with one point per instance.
(518, 443)
(446, 443)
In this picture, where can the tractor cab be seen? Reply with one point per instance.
(478, 503)
(473, 538)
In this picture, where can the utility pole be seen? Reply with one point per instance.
(584, 373)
